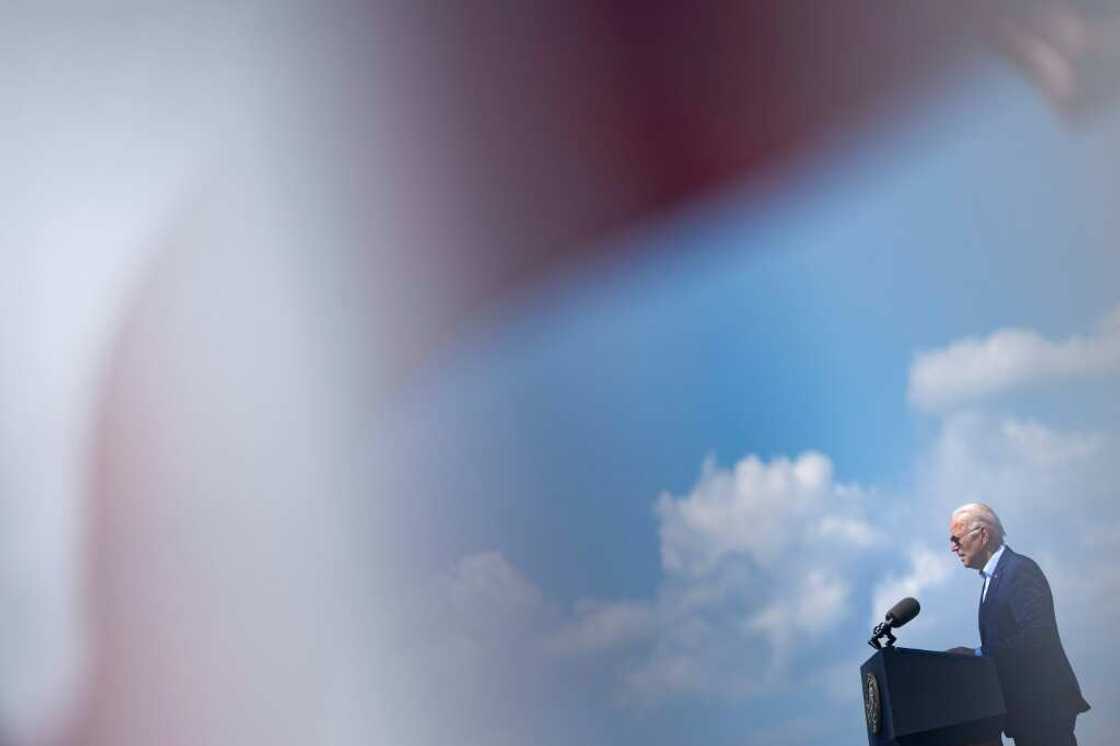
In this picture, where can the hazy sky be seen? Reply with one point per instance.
(666, 502)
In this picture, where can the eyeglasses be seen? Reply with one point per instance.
(956, 540)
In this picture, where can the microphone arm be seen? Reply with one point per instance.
(882, 630)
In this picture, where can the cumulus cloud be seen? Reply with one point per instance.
(1008, 359)
(484, 601)
(927, 569)
(472, 657)
(483, 608)
(754, 510)
(1021, 464)
(756, 560)
(848, 530)
(820, 601)
(487, 584)
(601, 625)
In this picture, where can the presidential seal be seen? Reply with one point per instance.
(872, 707)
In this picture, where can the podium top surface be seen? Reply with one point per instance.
(919, 653)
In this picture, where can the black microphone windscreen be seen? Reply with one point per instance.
(903, 611)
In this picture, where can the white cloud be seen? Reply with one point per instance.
(488, 581)
(755, 561)
(1008, 359)
(1029, 469)
(600, 625)
(928, 569)
(850, 530)
(754, 510)
(472, 658)
(483, 604)
(820, 601)
(1047, 448)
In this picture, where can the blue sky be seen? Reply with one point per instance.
(613, 488)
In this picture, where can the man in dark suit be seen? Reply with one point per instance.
(1018, 630)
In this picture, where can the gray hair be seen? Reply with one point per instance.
(975, 515)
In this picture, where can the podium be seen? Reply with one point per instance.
(927, 698)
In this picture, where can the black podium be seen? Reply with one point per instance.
(927, 698)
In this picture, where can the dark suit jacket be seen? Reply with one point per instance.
(1018, 630)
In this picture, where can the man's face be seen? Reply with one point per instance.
(969, 545)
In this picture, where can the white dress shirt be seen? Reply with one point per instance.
(989, 570)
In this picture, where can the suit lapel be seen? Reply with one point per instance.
(993, 587)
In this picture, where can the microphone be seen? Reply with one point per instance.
(901, 613)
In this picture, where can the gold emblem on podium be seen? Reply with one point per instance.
(871, 703)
